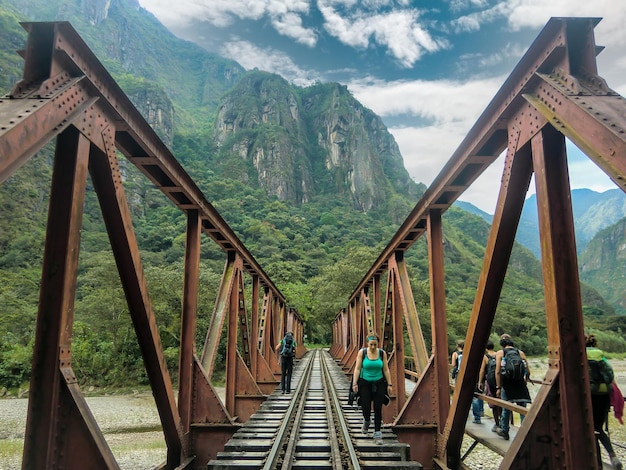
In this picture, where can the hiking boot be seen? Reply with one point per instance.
(365, 427)
(503, 434)
(616, 464)
(495, 428)
(378, 438)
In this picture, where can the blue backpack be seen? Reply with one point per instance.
(289, 346)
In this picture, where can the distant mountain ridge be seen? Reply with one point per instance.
(593, 212)
(294, 143)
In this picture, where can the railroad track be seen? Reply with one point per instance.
(311, 428)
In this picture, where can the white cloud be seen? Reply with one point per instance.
(610, 32)
(535, 13)
(398, 30)
(285, 15)
(290, 25)
(474, 21)
(443, 111)
(217, 12)
(269, 60)
(584, 173)
(439, 101)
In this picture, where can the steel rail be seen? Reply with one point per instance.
(333, 403)
(290, 451)
(274, 456)
(333, 437)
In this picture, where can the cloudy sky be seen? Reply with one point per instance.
(428, 68)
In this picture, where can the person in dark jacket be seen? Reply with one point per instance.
(287, 350)
(513, 390)
(487, 382)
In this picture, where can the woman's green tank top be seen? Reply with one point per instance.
(372, 370)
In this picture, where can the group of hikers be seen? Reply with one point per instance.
(504, 374)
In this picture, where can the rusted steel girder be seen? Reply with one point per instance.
(340, 334)
(553, 92)
(296, 326)
(62, 78)
(66, 92)
(54, 403)
(188, 322)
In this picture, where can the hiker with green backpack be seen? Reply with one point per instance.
(371, 381)
(601, 382)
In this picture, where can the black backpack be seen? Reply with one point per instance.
(600, 373)
(457, 368)
(514, 366)
(491, 371)
(288, 349)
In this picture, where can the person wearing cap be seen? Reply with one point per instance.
(371, 380)
(513, 390)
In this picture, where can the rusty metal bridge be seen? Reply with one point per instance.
(553, 93)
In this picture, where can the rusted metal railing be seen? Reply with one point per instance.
(553, 93)
(67, 94)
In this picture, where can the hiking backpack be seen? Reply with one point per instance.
(514, 366)
(491, 371)
(288, 349)
(600, 373)
(455, 371)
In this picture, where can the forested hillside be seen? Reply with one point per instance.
(315, 248)
(603, 264)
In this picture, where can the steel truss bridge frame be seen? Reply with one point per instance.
(554, 92)
(66, 93)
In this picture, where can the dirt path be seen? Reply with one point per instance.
(130, 424)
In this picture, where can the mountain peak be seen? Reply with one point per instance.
(300, 142)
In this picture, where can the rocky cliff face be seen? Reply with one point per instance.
(302, 142)
(603, 264)
(157, 109)
(344, 130)
(95, 11)
(258, 122)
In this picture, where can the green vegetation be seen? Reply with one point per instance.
(316, 252)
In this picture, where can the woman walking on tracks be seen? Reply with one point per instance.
(370, 380)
